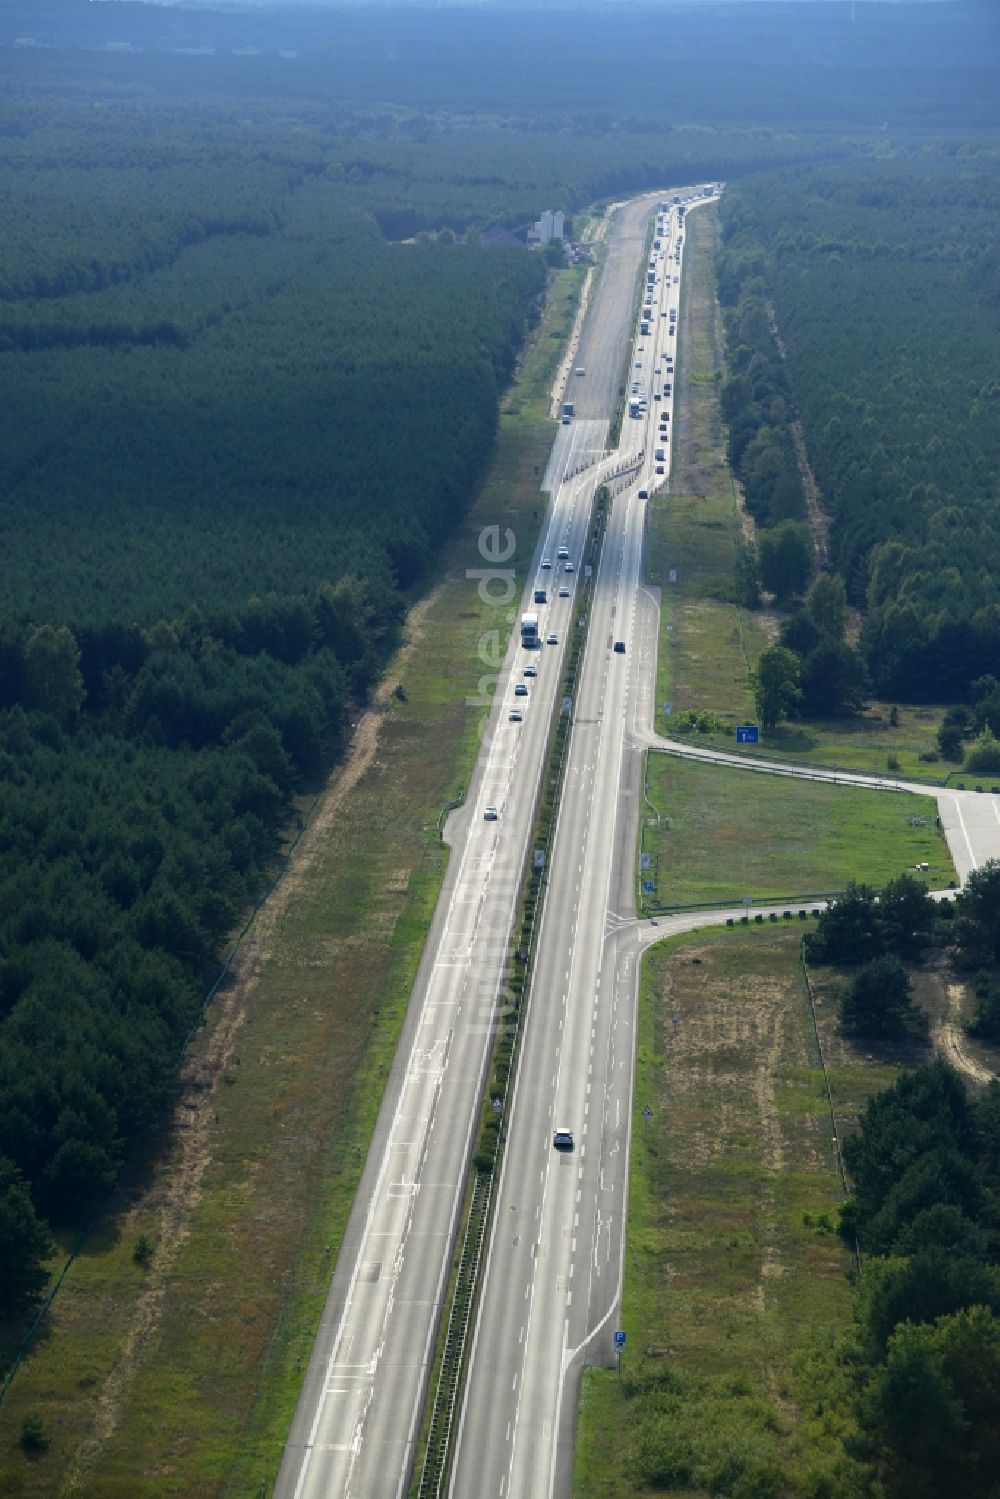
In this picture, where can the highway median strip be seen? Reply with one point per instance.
(451, 1358)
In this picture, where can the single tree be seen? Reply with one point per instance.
(834, 680)
(24, 1242)
(879, 1004)
(977, 930)
(905, 915)
(52, 672)
(786, 558)
(776, 685)
(826, 602)
(848, 930)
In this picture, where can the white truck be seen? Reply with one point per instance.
(529, 631)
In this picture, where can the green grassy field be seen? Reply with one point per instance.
(725, 833)
(870, 742)
(734, 1282)
(254, 1191)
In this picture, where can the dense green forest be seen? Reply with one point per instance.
(239, 425)
(241, 418)
(885, 283)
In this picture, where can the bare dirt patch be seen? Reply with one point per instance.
(949, 1040)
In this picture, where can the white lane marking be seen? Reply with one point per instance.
(965, 832)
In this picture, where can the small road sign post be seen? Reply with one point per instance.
(747, 733)
(619, 1345)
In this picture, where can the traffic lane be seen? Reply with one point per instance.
(583, 1234)
(576, 444)
(570, 1232)
(605, 334)
(330, 1437)
(492, 1405)
(559, 1217)
(590, 1338)
(971, 822)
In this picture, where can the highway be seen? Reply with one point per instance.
(552, 1277)
(552, 1272)
(356, 1420)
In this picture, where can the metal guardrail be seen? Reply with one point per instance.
(437, 1453)
(435, 1463)
(758, 902)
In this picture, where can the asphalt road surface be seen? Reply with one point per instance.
(356, 1420)
(552, 1279)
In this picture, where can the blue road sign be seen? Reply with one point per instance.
(619, 1340)
(747, 733)
(648, 887)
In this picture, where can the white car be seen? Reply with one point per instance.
(546, 561)
(568, 568)
(563, 591)
(515, 715)
(531, 671)
(520, 690)
(490, 815)
(552, 639)
(563, 553)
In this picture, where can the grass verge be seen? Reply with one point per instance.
(723, 833)
(734, 1281)
(706, 640)
(214, 1377)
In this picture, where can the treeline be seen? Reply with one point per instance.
(887, 303)
(734, 63)
(925, 1171)
(923, 1357)
(140, 183)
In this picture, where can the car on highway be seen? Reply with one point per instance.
(563, 1139)
(490, 814)
(563, 591)
(552, 639)
(579, 370)
(620, 647)
(515, 715)
(659, 468)
(531, 671)
(546, 561)
(563, 553)
(568, 568)
(644, 494)
(520, 690)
